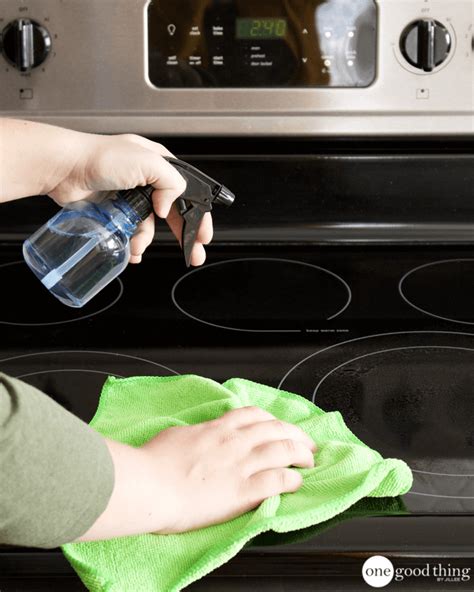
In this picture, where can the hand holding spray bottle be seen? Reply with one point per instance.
(86, 245)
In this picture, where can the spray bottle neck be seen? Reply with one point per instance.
(134, 206)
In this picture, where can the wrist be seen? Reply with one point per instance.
(134, 506)
(68, 152)
(48, 156)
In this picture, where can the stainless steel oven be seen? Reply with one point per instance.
(202, 67)
(343, 271)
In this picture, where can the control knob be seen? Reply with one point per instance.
(25, 44)
(425, 44)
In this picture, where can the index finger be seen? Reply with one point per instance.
(169, 185)
(162, 175)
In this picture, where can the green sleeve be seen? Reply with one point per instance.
(56, 472)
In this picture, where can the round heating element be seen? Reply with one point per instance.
(442, 289)
(74, 379)
(408, 395)
(261, 295)
(26, 303)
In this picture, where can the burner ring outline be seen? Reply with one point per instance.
(374, 336)
(280, 260)
(93, 314)
(21, 376)
(461, 497)
(87, 351)
(422, 310)
(382, 351)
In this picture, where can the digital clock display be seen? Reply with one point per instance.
(260, 28)
(274, 44)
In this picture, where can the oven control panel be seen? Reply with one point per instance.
(241, 67)
(265, 44)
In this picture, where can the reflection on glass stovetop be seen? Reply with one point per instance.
(384, 335)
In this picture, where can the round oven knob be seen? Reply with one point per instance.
(426, 44)
(25, 44)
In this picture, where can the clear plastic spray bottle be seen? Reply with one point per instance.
(86, 245)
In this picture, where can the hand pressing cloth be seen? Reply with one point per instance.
(134, 410)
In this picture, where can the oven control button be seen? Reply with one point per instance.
(426, 44)
(25, 44)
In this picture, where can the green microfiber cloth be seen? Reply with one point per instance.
(133, 410)
(368, 506)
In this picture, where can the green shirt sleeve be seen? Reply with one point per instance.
(56, 472)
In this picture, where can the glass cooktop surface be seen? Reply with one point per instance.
(384, 335)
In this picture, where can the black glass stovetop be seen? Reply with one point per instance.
(383, 334)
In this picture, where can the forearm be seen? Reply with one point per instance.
(134, 506)
(35, 158)
(57, 475)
